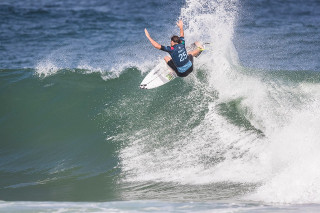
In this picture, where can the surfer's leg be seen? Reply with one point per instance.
(167, 59)
(170, 63)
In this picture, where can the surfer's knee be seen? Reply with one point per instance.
(167, 58)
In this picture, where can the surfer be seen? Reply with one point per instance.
(180, 61)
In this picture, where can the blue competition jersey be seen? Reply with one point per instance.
(178, 53)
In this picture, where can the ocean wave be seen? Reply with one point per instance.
(77, 127)
(220, 146)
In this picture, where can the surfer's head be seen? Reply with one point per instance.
(175, 40)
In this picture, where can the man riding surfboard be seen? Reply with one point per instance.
(180, 61)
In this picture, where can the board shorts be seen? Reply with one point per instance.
(181, 74)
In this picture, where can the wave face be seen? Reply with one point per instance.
(76, 126)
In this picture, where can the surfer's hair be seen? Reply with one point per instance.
(176, 39)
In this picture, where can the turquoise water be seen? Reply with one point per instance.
(239, 134)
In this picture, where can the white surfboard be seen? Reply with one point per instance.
(158, 76)
(161, 74)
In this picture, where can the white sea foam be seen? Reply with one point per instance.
(294, 160)
(46, 68)
(149, 206)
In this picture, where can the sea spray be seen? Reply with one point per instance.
(219, 149)
(191, 152)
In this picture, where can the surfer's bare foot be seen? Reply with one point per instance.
(200, 47)
(198, 50)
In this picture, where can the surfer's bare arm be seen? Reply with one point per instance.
(180, 25)
(153, 42)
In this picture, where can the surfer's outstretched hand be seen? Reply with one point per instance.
(146, 32)
(153, 42)
(180, 24)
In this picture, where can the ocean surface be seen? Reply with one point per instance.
(240, 134)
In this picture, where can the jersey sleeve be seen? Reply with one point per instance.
(166, 48)
(182, 40)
